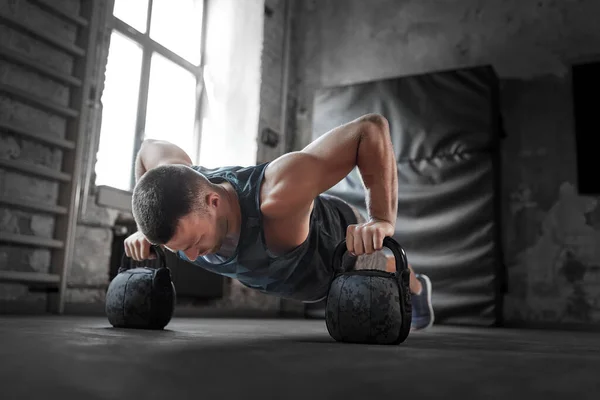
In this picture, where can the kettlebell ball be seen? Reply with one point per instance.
(141, 298)
(370, 306)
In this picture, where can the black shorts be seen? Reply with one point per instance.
(348, 217)
(345, 209)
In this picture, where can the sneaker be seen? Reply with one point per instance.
(422, 311)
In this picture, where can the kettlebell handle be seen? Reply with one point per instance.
(160, 254)
(389, 242)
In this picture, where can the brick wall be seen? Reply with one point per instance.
(92, 247)
(17, 185)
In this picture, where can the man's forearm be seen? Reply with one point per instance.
(377, 165)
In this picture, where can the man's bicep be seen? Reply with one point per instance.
(295, 179)
(335, 154)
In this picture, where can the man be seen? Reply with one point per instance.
(271, 226)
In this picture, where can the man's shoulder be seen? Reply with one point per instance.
(228, 170)
(210, 171)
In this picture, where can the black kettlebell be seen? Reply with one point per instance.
(141, 298)
(370, 306)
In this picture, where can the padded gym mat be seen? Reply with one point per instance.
(445, 129)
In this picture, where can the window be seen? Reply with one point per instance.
(585, 86)
(153, 84)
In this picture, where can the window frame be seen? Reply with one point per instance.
(150, 46)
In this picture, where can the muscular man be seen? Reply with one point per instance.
(271, 226)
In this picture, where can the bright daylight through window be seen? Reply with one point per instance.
(151, 81)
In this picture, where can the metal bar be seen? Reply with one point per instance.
(29, 277)
(36, 170)
(65, 16)
(24, 61)
(95, 114)
(32, 205)
(200, 86)
(203, 32)
(90, 159)
(30, 240)
(70, 194)
(141, 112)
(47, 105)
(136, 35)
(198, 117)
(38, 136)
(140, 125)
(149, 18)
(42, 36)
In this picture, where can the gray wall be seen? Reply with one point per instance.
(274, 101)
(551, 234)
(272, 78)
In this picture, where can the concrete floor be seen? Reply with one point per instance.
(85, 358)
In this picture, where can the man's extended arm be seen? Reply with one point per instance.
(157, 152)
(299, 177)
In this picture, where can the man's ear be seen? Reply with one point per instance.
(212, 199)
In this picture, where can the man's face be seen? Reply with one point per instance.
(198, 235)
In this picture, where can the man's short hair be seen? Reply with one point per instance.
(162, 197)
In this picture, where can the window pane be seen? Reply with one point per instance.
(119, 100)
(132, 12)
(177, 25)
(171, 104)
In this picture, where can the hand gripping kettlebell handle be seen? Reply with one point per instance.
(389, 242)
(160, 255)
